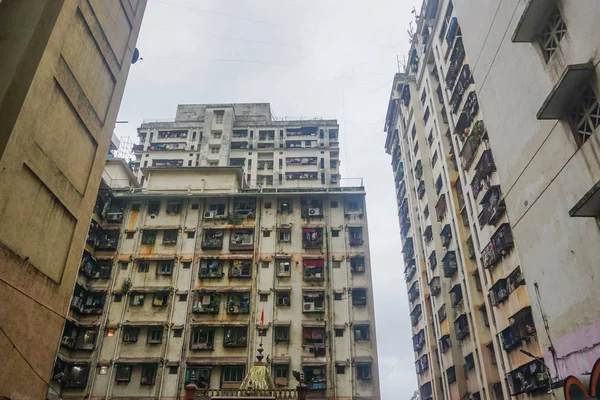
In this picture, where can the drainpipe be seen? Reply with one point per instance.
(126, 300)
(349, 279)
(330, 308)
(170, 319)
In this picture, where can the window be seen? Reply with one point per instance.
(155, 335)
(173, 370)
(439, 184)
(160, 299)
(285, 205)
(240, 269)
(174, 207)
(434, 158)
(314, 336)
(136, 299)
(339, 332)
(426, 115)
(242, 239)
(357, 264)
(334, 204)
(285, 235)
(340, 369)
(135, 207)
(361, 332)
(178, 332)
(219, 114)
(313, 301)
(187, 265)
(195, 206)
(262, 331)
(585, 116)
(356, 237)
(336, 264)
(202, 339)
(130, 334)
(281, 371)
(282, 333)
(148, 237)
(217, 134)
(335, 233)
(154, 207)
(233, 373)
(124, 373)
(123, 265)
(164, 267)
(337, 296)
(199, 375)
(426, 212)
(238, 303)
(283, 299)
(130, 235)
(359, 297)
(170, 236)
(264, 297)
(266, 233)
(215, 149)
(430, 138)
(363, 371)
(235, 337)
(118, 297)
(148, 375)
(552, 33)
(213, 163)
(183, 297)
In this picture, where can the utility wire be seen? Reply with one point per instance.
(394, 367)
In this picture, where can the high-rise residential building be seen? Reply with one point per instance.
(62, 75)
(183, 279)
(538, 69)
(472, 316)
(272, 152)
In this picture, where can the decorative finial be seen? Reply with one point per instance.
(260, 350)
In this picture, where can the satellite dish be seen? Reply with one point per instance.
(136, 56)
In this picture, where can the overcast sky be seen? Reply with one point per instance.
(328, 58)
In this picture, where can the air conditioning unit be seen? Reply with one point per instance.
(114, 216)
(314, 211)
(210, 214)
(308, 307)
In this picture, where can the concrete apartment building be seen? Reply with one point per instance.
(272, 153)
(470, 308)
(185, 269)
(549, 111)
(63, 71)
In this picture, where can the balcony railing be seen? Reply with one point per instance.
(456, 61)
(500, 244)
(498, 292)
(440, 207)
(413, 292)
(418, 340)
(410, 271)
(471, 107)
(226, 394)
(461, 327)
(432, 260)
(434, 286)
(528, 378)
(442, 313)
(415, 314)
(492, 210)
(445, 343)
(446, 236)
(408, 249)
(459, 90)
(481, 180)
(467, 153)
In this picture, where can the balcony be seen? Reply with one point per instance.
(440, 207)
(240, 269)
(442, 313)
(206, 303)
(445, 343)
(428, 234)
(418, 170)
(235, 337)
(410, 270)
(408, 249)
(415, 314)
(238, 303)
(499, 292)
(313, 269)
(138, 148)
(166, 146)
(357, 264)
(432, 261)
(418, 340)
(522, 328)
(471, 248)
(239, 133)
(108, 241)
(244, 207)
(456, 295)
(435, 286)
(422, 365)
(356, 237)
(413, 292)
(242, 239)
(500, 244)
(471, 107)
(239, 144)
(404, 227)
(446, 236)
(277, 394)
(456, 61)
(528, 378)
(492, 208)
(461, 327)
(426, 391)
(464, 80)
(212, 239)
(450, 264)
(468, 151)
(421, 190)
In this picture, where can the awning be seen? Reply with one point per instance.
(316, 262)
(144, 323)
(151, 289)
(186, 258)
(589, 204)
(138, 360)
(361, 323)
(535, 14)
(313, 289)
(339, 326)
(312, 362)
(282, 323)
(282, 256)
(125, 257)
(282, 360)
(220, 323)
(82, 324)
(363, 360)
(172, 363)
(70, 360)
(217, 360)
(224, 289)
(341, 363)
(286, 289)
(159, 227)
(566, 90)
(313, 324)
(105, 258)
(155, 257)
(267, 292)
(189, 229)
(227, 257)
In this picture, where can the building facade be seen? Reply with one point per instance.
(64, 67)
(201, 269)
(549, 111)
(473, 329)
(272, 153)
